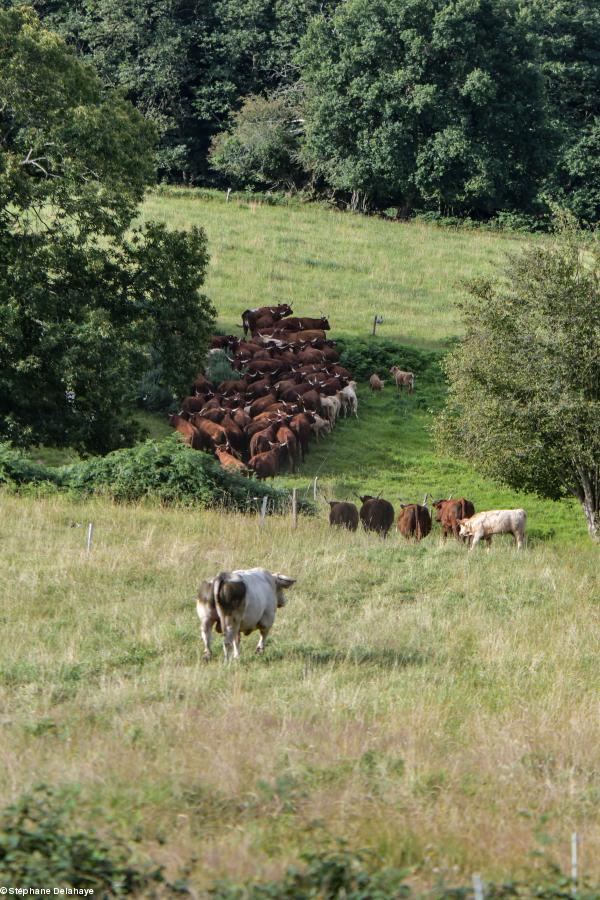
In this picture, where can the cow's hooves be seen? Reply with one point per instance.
(207, 657)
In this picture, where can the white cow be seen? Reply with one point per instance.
(494, 521)
(331, 406)
(349, 399)
(240, 601)
(320, 426)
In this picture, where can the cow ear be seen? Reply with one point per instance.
(283, 581)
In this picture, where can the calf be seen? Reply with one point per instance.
(228, 460)
(344, 514)
(300, 425)
(330, 406)
(349, 399)
(375, 383)
(494, 521)
(320, 426)
(414, 521)
(241, 601)
(403, 379)
(376, 515)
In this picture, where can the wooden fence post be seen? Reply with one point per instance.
(263, 510)
(574, 863)
(90, 532)
(315, 488)
(478, 887)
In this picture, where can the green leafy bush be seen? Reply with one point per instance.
(17, 470)
(39, 846)
(172, 473)
(346, 875)
(218, 367)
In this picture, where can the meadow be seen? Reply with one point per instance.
(348, 266)
(438, 708)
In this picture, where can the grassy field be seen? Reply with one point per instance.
(439, 708)
(348, 266)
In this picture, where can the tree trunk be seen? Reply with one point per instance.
(589, 497)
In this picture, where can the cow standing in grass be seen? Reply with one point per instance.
(403, 379)
(239, 602)
(494, 521)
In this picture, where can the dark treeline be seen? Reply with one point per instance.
(459, 107)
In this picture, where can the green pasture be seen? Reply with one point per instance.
(348, 266)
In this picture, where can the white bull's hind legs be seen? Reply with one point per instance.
(260, 647)
(206, 633)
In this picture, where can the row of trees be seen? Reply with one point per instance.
(458, 106)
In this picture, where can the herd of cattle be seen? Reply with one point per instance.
(290, 388)
(456, 517)
(246, 600)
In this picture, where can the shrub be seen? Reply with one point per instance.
(218, 367)
(17, 470)
(172, 473)
(39, 845)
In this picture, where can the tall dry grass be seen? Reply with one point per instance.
(440, 708)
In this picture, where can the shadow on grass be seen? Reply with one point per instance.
(379, 658)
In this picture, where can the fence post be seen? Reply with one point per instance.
(574, 863)
(228, 195)
(263, 510)
(478, 887)
(294, 508)
(90, 532)
(315, 488)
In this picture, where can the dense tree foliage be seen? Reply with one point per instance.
(524, 401)
(464, 106)
(263, 146)
(186, 64)
(82, 306)
(425, 103)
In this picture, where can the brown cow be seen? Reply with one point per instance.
(266, 465)
(403, 379)
(261, 441)
(250, 316)
(448, 512)
(260, 405)
(288, 440)
(414, 521)
(212, 434)
(375, 383)
(228, 460)
(190, 434)
(376, 514)
(344, 514)
(303, 323)
(300, 425)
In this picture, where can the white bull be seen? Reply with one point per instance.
(494, 521)
(240, 601)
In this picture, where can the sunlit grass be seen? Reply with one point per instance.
(439, 708)
(348, 266)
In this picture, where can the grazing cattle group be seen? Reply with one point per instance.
(290, 389)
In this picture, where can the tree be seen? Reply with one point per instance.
(524, 396)
(187, 65)
(85, 301)
(435, 103)
(262, 148)
(568, 35)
